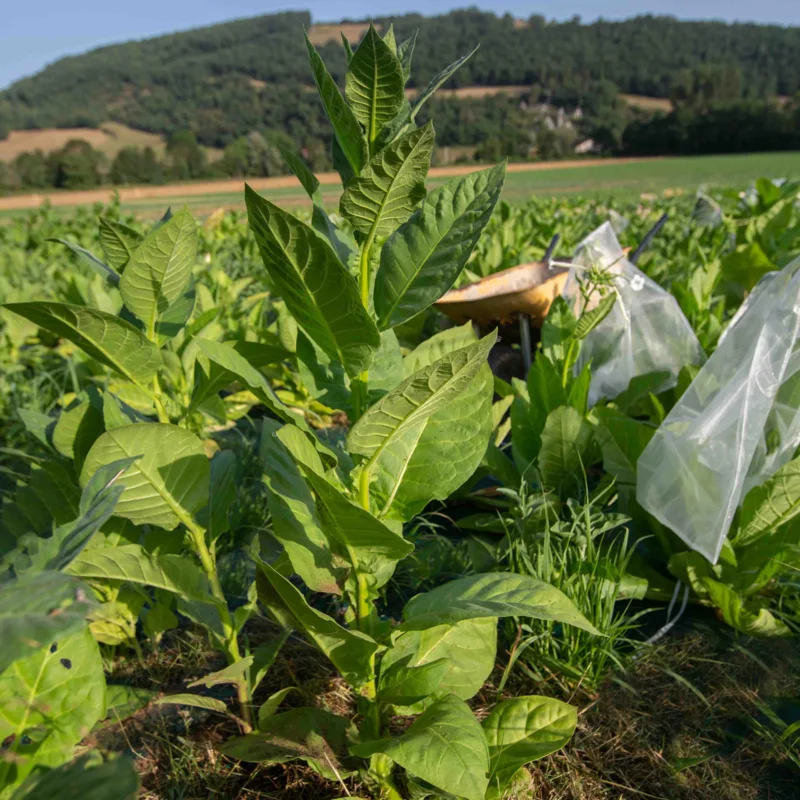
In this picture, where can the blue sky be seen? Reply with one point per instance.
(37, 32)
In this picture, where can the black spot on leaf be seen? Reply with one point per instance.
(25, 739)
(54, 647)
(66, 663)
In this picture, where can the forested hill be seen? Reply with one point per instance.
(225, 80)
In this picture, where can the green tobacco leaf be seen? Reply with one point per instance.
(38, 609)
(37, 553)
(342, 243)
(104, 337)
(49, 701)
(746, 265)
(522, 730)
(496, 594)
(296, 523)
(174, 318)
(374, 84)
(348, 50)
(118, 242)
(323, 378)
(404, 685)
(317, 288)
(366, 540)
(447, 452)
(167, 485)
(309, 734)
(349, 651)
(566, 439)
(390, 186)
(160, 269)
(78, 427)
(264, 657)
(131, 563)
(758, 622)
(194, 700)
(405, 52)
(268, 708)
(558, 329)
(221, 494)
(84, 779)
(348, 133)
(437, 81)
(92, 261)
(767, 507)
(622, 440)
(227, 366)
(438, 346)
(545, 390)
(396, 418)
(445, 747)
(468, 648)
(233, 673)
(589, 320)
(425, 256)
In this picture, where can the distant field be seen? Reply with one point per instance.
(607, 178)
(110, 138)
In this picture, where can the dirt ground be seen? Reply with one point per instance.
(63, 198)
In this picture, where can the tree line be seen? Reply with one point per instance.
(227, 80)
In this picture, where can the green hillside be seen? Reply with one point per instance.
(226, 80)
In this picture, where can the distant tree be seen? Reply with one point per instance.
(255, 156)
(133, 165)
(186, 160)
(77, 165)
(31, 170)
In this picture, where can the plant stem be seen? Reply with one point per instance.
(160, 410)
(567, 361)
(208, 562)
(359, 385)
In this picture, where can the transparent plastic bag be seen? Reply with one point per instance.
(646, 330)
(736, 424)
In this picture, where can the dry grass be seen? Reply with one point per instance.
(476, 92)
(109, 138)
(675, 727)
(648, 103)
(322, 34)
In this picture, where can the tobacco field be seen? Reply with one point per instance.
(272, 525)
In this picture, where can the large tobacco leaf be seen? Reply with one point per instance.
(423, 258)
(445, 746)
(317, 288)
(167, 485)
(296, 523)
(105, 337)
(495, 594)
(395, 420)
(350, 140)
(374, 84)
(450, 445)
(469, 649)
(349, 651)
(37, 609)
(48, 701)
(521, 730)
(767, 507)
(391, 185)
(160, 268)
(307, 734)
(133, 564)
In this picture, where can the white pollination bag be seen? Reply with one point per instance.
(736, 424)
(645, 332)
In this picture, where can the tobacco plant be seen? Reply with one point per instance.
(419, 427)
(149, 349)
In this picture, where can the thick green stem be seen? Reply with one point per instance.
(567, 363)
(160, 410)
(359, 385)
(232, 652)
